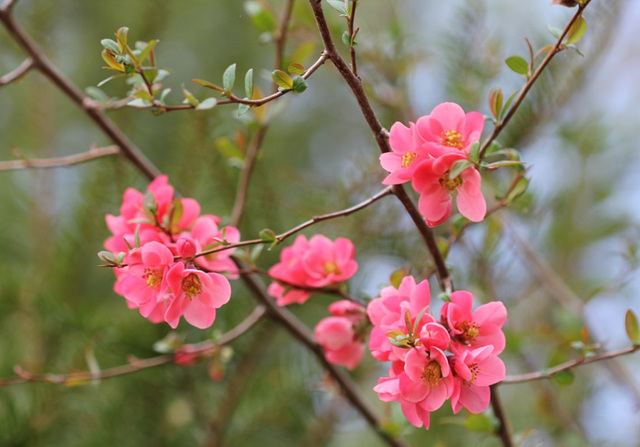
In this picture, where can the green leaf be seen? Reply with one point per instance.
(296, 69)
(576, 31)
(474, 152)
(518, 190)
(255, 253)
(242, 109)
(248, 83)
(207, 104)
(631, 326)
(208, 84)
(139, 103)
(268, 235)
(556, 32)
(346, 38)
(499, 164)
(108, 257)
(496, 99)
(111, 45)
(228, 148)
(121, 37)
(518, 64)
(104, 81)
(147, 50)
(339, 5)
(299, 84)
(563, 377)
(508, 103)
(282, 79)
(229, 77)
(479, 423)
(175, 214)
(397, 276)
(261, 17)
(190, 98)
(458, 167)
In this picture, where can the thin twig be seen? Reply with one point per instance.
(280, 37)
(17, 73)
(136, 365)
(527, 86)
(549, 373)
(69, 160)
(302, 334)
(44, 65)
(504, 429)
(352, 36)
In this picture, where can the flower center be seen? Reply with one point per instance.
(153, 277)
(191, 285)
(451, 186)
(331, 267)
(474, 372)
(452, 138)
(432, 373)
(408, 158)
(469, 330)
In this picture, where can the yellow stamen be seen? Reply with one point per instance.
(450, 185)
(191, 285)
(408, 158)
(452, 138)
(432, 373)
(153, 277)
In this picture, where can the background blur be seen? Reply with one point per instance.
(564, 256)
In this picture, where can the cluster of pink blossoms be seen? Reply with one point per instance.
(424, 154)
(311, 264)
(342, 334)
(160, 236)
(432, 360)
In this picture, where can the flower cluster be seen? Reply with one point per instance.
(425, 154)
(455, 357)
(342, 334)
(157, 237)
(311, 264)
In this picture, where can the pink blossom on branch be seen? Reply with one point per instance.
(342, 334)
(433, 182)
(407, 152)
(310, 264)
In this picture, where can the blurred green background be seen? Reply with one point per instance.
(564, 256)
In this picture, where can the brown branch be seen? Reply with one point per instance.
(69, 160)
(382, 139)
(548, 373)
(17, 73)
(352, 36)
(304, 336)
(527, 86)
(504, 428)
(280, 37)
(46, 67)
(135, 365)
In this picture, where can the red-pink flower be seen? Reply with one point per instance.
(197, 295)
(207, 234)
(482, 327)
(475, 370)
(432, 180)
(447, 129)
(388, 313)
(407, 151)
(342, 334)
(310, 264)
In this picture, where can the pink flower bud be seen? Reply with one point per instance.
(186, 247)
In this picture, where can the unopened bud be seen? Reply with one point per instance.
(186, 247)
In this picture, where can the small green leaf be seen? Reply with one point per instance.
(499, 164)
(136, 237)
(478, 423)
(458, 167)
(108, 257)
(228, 148)
(474, 152)
(111, 45)
(508, 103)
(268, 235)
(175, 214)
(261, 17)
(339, 5)
(121, 37)
(563, 377)
(248, 83)
(296, 69)
(256, 251)
(207, 84)
(496, 99)
(397, 276)
(555, 32)
(299, 84)
(518, 190)
(242, 109)
(346, 38)
(207, 104)
(147, 50)
(190, 98)
(139, 103)
(576, 31)
(518, 64)
(229, 77)
(282, 79)
(631, 326)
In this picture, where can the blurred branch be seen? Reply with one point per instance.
(382, 138)
(504, 429)
(302, 334)
(69, 160)
(352, 36)
(46, 67)
(135, 365)
(548, 373)
(16, 74)
(557, 47)
(280, 37)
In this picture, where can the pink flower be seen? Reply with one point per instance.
(431, 180)
(481, 328)
(388, 313)
(475, 371)
(341, 335)
(448, 130)
(311, 264)
(408, 150)
(207, 234)
(197, 295)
